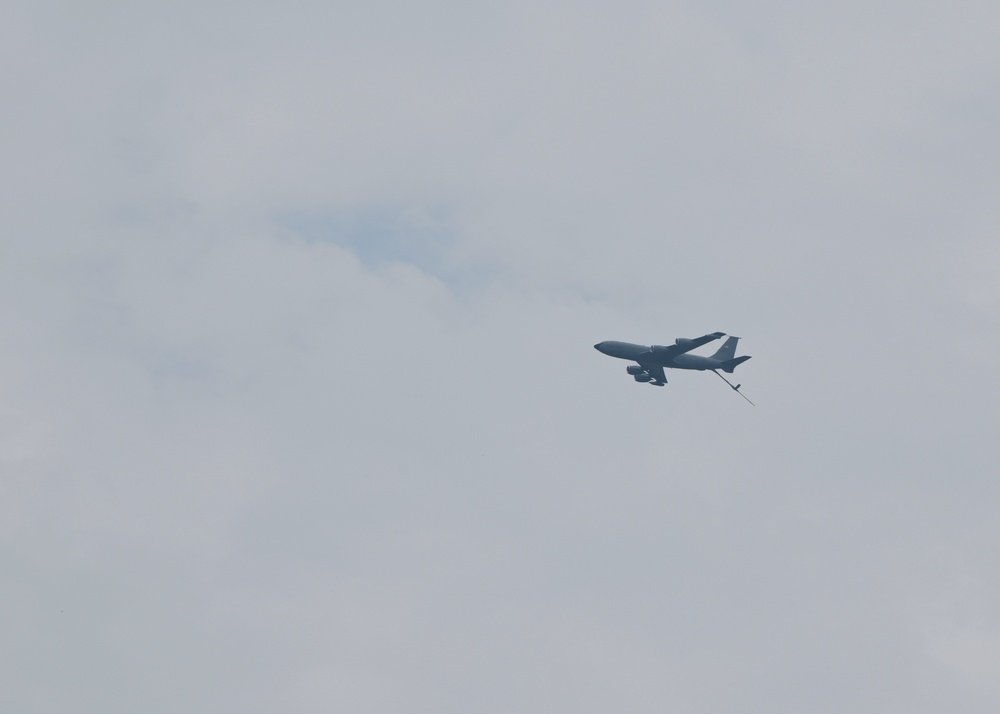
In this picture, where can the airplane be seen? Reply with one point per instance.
(652, 360)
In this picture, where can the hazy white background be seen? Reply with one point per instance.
(299, 409)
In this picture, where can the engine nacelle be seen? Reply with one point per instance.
(682, 341)
(638, 373)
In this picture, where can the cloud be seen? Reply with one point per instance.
(300, 407)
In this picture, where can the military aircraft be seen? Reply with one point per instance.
(652, 360)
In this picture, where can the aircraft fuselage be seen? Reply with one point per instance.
(647, 354)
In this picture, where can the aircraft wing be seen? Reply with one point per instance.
(656, 372)
(683, 345)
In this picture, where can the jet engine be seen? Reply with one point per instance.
(638, 373)
(682, 341)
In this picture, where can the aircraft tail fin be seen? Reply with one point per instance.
(729, 365)
(727, 351)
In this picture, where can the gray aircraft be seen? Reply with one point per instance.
(652, 360)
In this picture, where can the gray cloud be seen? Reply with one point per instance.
(299, 404)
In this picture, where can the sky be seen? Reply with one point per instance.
(299, 406)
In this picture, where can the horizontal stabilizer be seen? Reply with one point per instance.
(729, 365)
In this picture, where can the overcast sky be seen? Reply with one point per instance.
(299, 406)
